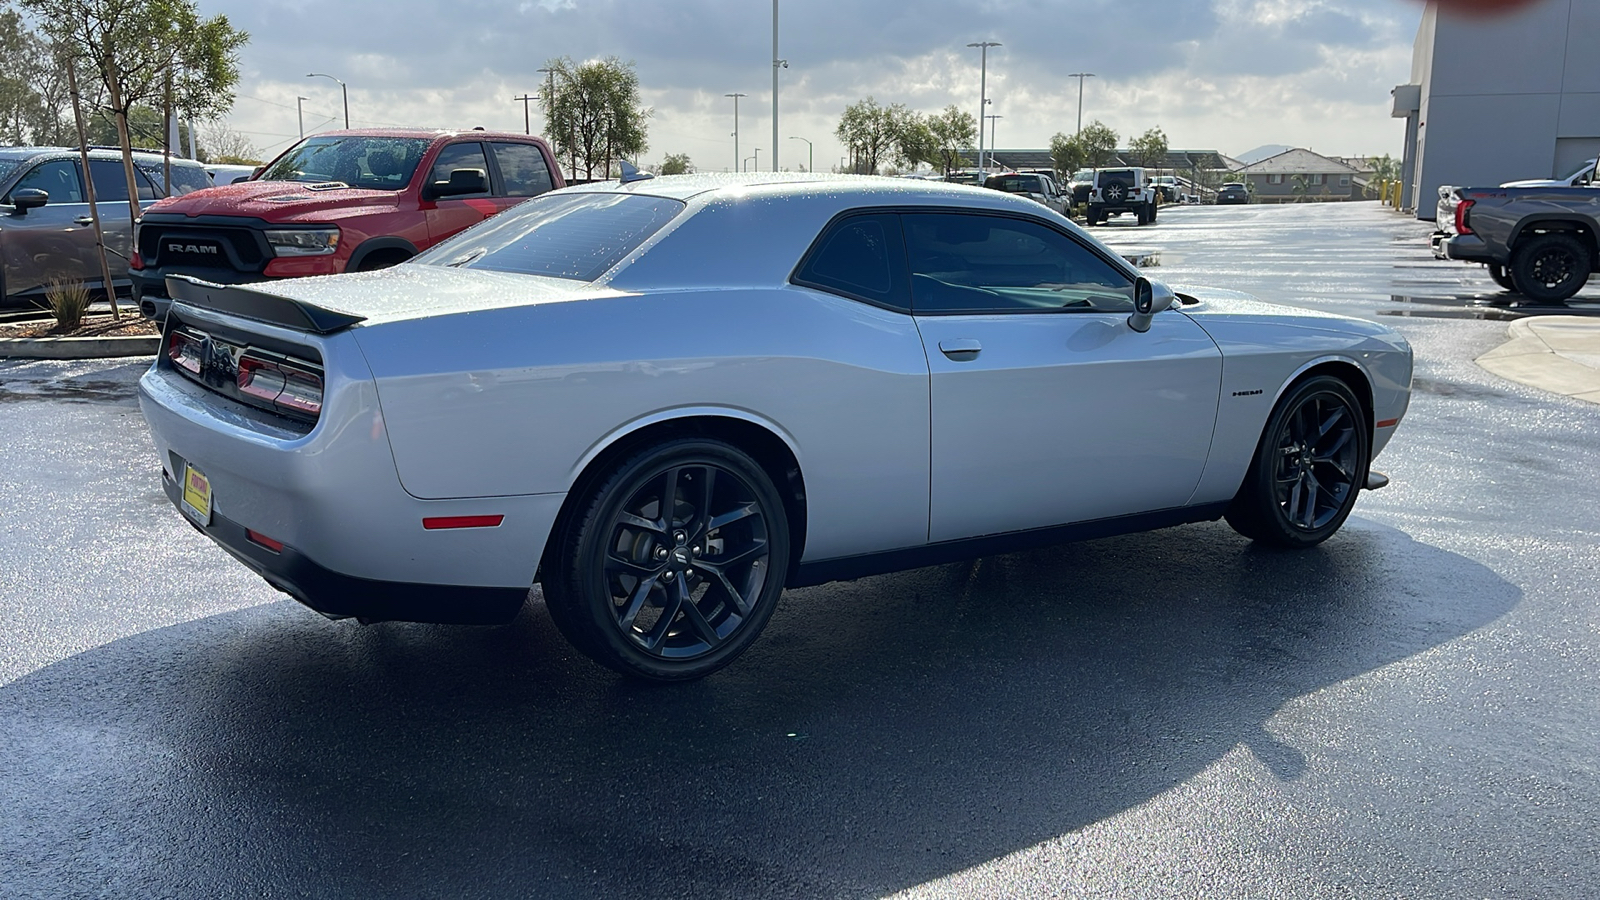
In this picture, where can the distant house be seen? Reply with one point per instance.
(1299, 175)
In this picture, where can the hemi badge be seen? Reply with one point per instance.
(435, 523)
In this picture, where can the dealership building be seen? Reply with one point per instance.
(1500, 98)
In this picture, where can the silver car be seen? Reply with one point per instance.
(665, 400)
(46, 232)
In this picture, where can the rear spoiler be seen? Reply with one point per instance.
(250, 303)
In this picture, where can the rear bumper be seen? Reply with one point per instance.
(343, 596)
(1462, 247)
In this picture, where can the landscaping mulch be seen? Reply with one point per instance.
(131, 323)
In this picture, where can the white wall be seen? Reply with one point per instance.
(1505, 97)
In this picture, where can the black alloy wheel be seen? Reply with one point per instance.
(1549, 268)
(675, 564)
(1308, 469)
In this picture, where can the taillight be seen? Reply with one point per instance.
(184, 351)
(1461, 216)
(290, 389)
(135, 261)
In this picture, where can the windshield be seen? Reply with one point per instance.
(375, 163)
(1083, 175)
(577, 236)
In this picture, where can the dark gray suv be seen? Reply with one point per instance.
(45, 228)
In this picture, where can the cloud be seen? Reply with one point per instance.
(1224, 74)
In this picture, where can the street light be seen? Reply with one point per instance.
(810, 152)
(983, 92)
(300, 111)
(343, 91)
(745, 165)
(1080, 76)
(757, 158)
(776, 65)
(992, 143)
(738, 162)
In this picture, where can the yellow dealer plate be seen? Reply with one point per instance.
(196, 495)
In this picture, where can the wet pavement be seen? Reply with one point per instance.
(1408, 710)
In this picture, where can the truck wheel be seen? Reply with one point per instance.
(1502, 277)
(1549, 268)
(1093, 216)
(1142, 214)
(1153, 207)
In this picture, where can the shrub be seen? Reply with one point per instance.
(68, 300)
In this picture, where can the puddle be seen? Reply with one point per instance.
(1488, 315)
(1453, 389)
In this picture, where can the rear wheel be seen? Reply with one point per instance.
(1310, 465)
(1549, 268)
(1153, 207)
(1094, 216)
(673, 564)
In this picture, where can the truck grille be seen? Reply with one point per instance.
(163, 244)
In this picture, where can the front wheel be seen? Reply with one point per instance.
(674, 562)
(1310, 465)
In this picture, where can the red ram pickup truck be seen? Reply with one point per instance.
(339, 201)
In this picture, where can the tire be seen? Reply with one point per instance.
(606, 580)
(1502, 277)
(1115, 190)
(1094, 216)
(1142, 214)
(1549, 268)
(1308, 468)
(1153, 208)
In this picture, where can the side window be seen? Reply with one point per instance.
(110, 185)
(459, 156)
(523, 169)
(58, 178)
(861, 257)
(187, 179)
(982, 263)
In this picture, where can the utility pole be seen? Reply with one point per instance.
(776, 65)
(983, 92)
(738, 161)
(1080, 76)
(527, 120)
(550, 100)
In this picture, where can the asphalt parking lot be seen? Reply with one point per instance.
(1409, 710)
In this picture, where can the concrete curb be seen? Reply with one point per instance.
(1560, 354)
(80, 347)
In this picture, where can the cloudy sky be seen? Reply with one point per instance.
(1228, 75)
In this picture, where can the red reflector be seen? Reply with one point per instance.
(263, 540)
(1386, 423)
(436, 522)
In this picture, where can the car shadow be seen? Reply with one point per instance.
(883, 732)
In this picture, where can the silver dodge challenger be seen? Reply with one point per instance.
(664, 400)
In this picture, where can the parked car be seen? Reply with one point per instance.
(1167, 188)
(1233, 192)
(1036, 187)
(339, 201)
(1081, 183)
(228, 174)
(1582, 176)
(46, 231)
(1537, 241)
(666, 400)
(1121, 190)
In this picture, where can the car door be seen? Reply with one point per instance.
(448, 215)
(1047, 408)
(116, 219)
(52, 241)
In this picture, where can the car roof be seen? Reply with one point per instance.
(423, 133)
(883, 189)
(94, 153)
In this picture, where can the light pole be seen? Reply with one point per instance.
(983, 91)
(300, 112)
(1080, 76)
(811, 152)
(757, 158)
(738, 161)
(776, 66)
(343, 91)
(992, 144)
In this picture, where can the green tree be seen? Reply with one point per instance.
(1384, 168)
(1149, 148)
(914, 141)
(951, 131)
(594, 113)
(1298, 187)
(1099, 144)
(871, 133)
(1067, 155)
(146, 53)
(676, 164)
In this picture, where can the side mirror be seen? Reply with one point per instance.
(462, 181)
(1149, 298)
(29, 198)
(256, 173)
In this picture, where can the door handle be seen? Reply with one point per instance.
(960, 349)
(83, 220)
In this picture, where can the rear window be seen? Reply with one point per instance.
(1015, 184)
(577, 236)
